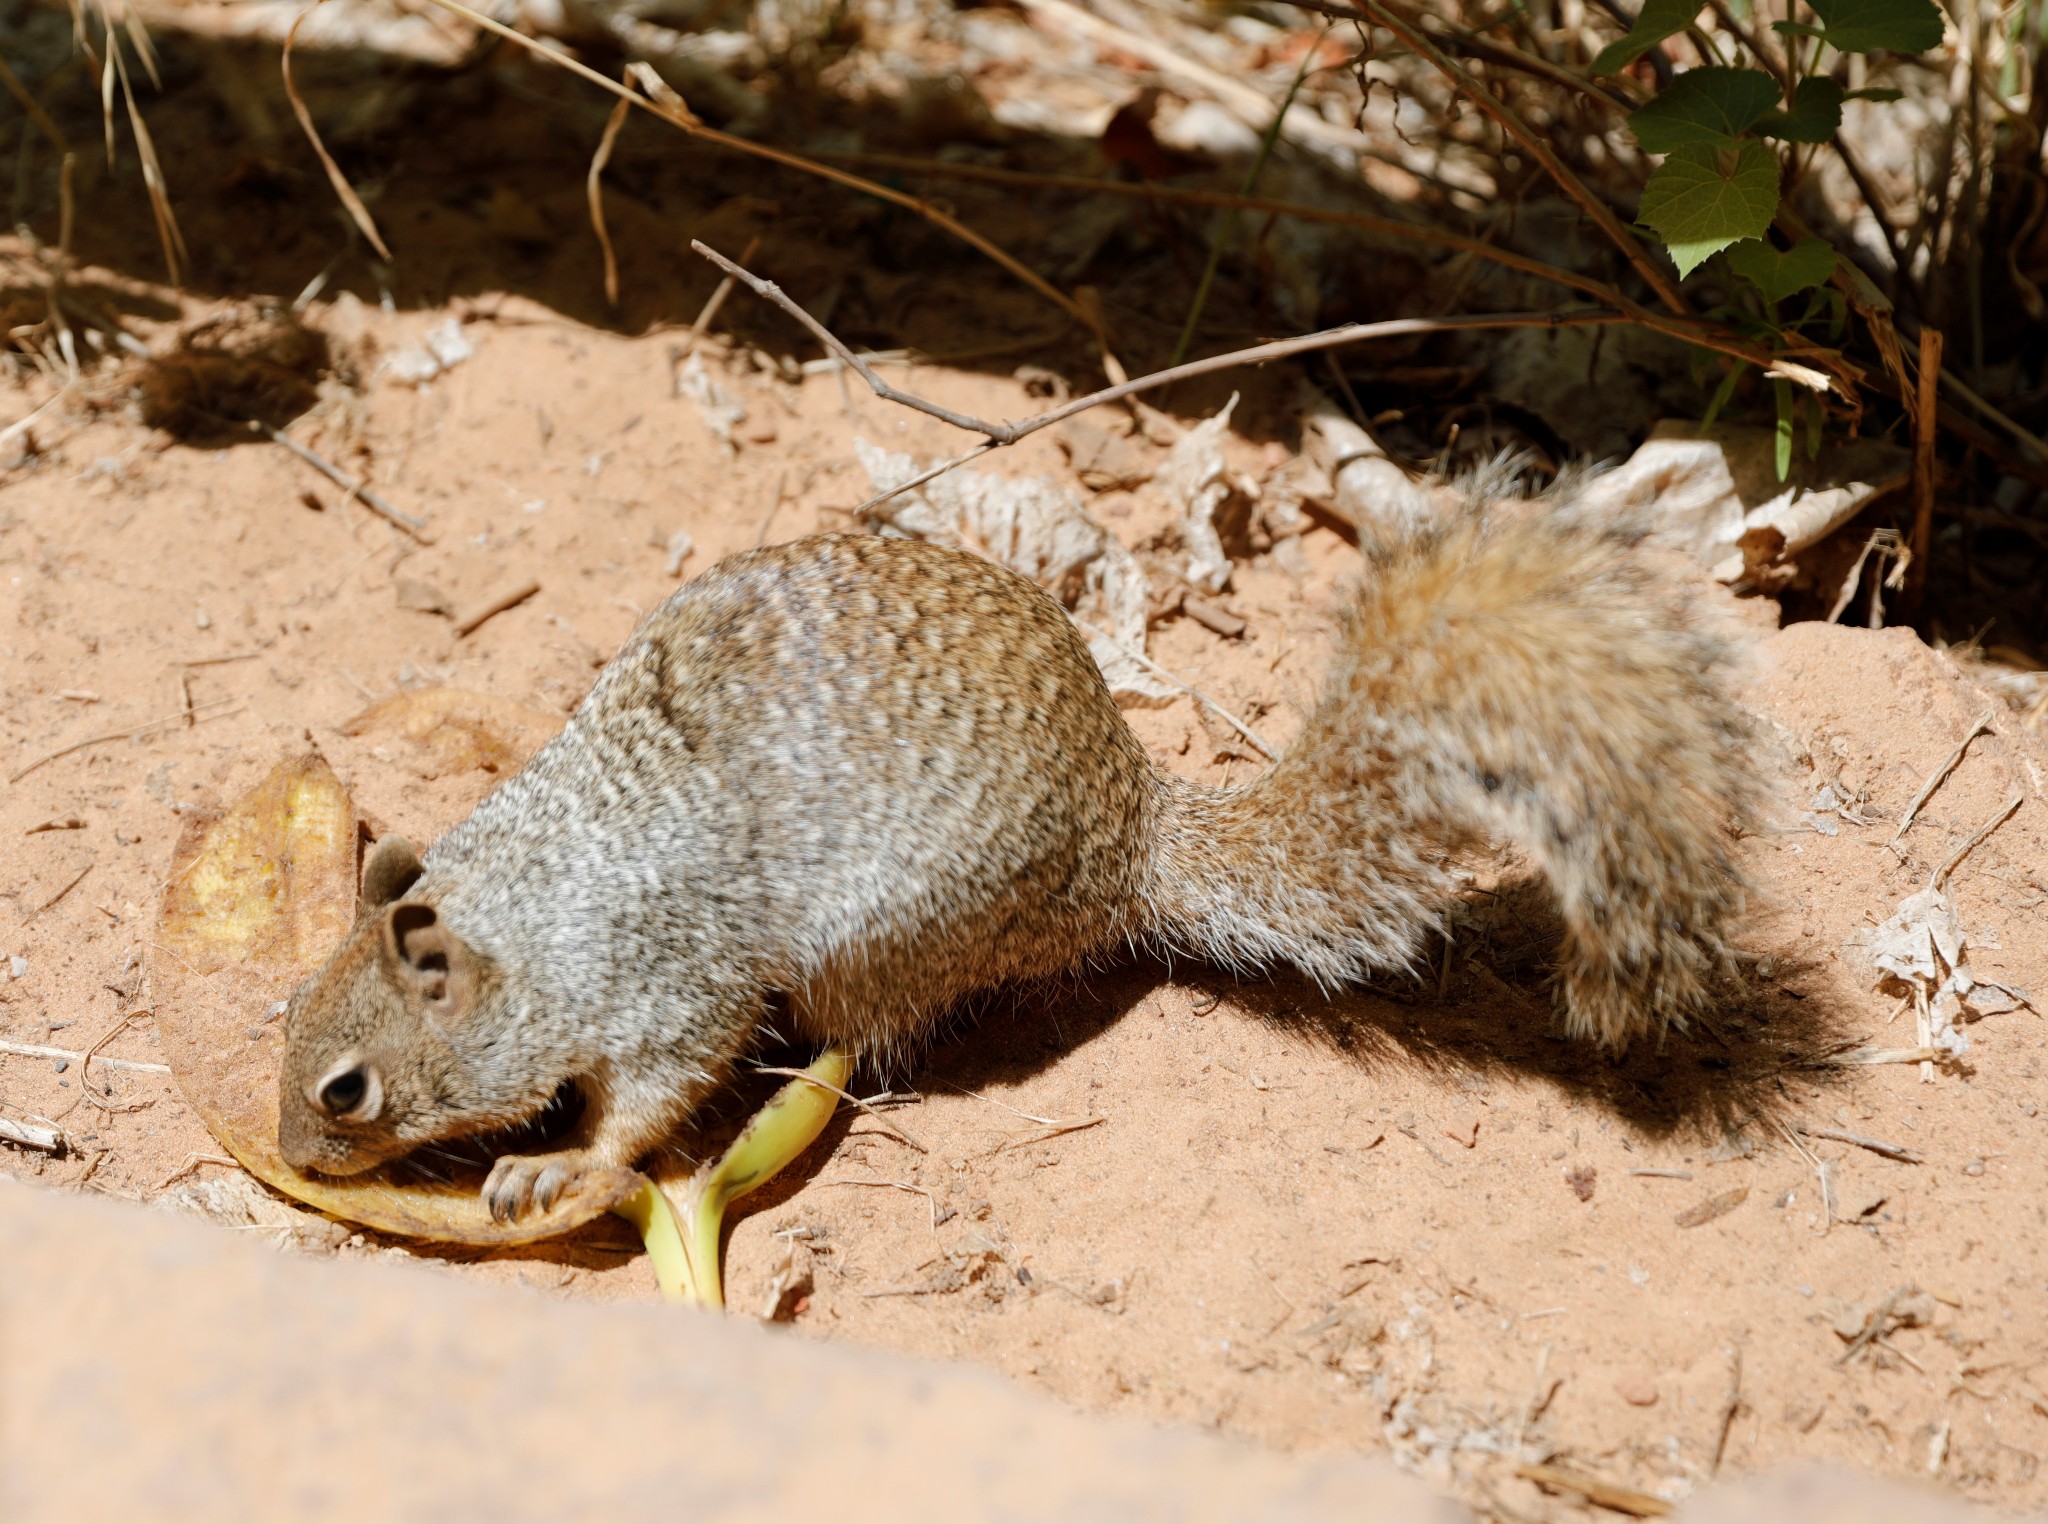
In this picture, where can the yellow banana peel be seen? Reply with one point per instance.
(685, 1253)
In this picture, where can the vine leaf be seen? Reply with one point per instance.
(1865, 26)
(1657, 20)
(1701, 199)
(1779, 273)
(1815, 115)
(1713, 106)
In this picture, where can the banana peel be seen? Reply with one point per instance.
(257, 898)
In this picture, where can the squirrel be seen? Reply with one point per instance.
(873, 776)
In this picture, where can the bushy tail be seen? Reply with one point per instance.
(1512, 675)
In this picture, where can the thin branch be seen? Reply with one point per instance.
(1532, 144)
(1258, 354)
(678, 116)
(593, 190)
(2005, 811)
(348, 484)
(847, 1096)
(1686, 330)
(219, 706)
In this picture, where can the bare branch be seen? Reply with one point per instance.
(1603, 215)
(1000, 434)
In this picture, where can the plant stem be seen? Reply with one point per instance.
(1226, 223)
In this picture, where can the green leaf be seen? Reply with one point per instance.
(1815, 115)
(1864, 26)
(1657, 20)
(1781, 453)
(1778, 274)
(1874, 93)
(1713, 105)
(1722, 393)
(1702, 199)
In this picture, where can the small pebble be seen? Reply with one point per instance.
(1974, 1167)
(17, 967)
(1638, 1390)
(2029, 1109)
(205, 620)
(63, 1064)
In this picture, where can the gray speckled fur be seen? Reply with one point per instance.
(878, 775)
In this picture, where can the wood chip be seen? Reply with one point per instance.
(1213, 616)
(491, 611)
(1889, 1150)
(1593, 1490)
(1714, 1206)
(28, 1135)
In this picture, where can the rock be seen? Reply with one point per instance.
(1637, 1389)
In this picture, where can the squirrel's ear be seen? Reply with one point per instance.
(427, 957)
(393, 868)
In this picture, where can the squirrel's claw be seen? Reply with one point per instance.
(522, 1182)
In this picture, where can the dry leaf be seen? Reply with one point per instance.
(1712, 1207)
(257, 899)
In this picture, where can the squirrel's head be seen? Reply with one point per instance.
(370, 1064)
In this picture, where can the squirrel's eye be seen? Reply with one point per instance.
(343, 1092)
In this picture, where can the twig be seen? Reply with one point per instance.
(1820, 1170)
(492, 610)
(678, 116)
(1686, 330)
(1936, 778)
(216, 705)
(1189, 689)
(193, 1162)
(712, 303)
(1836, 1135)
(1731, 1403)
(76, 880)
(1006, 433)
(48, 1139)
(357, 212)
(1006, 1106)
(2004, 813)
(1863, 1057)
(348, 484)
(1606, 1494)
(1533, 144)
(1926, 411)
(852, 1100)
(893, 1185)
(23, 424)
(774, 507)
(1876, 1326)
(1299, 123)
(593, 189)
(1663, 1174)
(33, 1050)
(1059, 1130)
(120, 1025)
(30, 105)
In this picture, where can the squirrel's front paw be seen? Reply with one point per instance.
(522, 1182)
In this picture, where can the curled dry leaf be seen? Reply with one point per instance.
(257, 898)
(1716, 494)
(455, 731)
(1714, 1206)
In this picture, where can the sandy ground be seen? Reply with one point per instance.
(1409, 1220)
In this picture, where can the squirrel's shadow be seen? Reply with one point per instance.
(1483, 1011)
